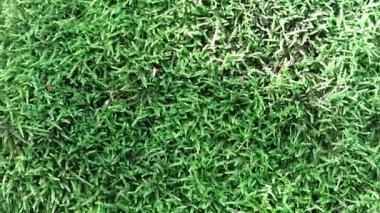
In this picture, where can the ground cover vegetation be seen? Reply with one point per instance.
(189, 106)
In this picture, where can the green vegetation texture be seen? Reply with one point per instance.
(189, 106)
